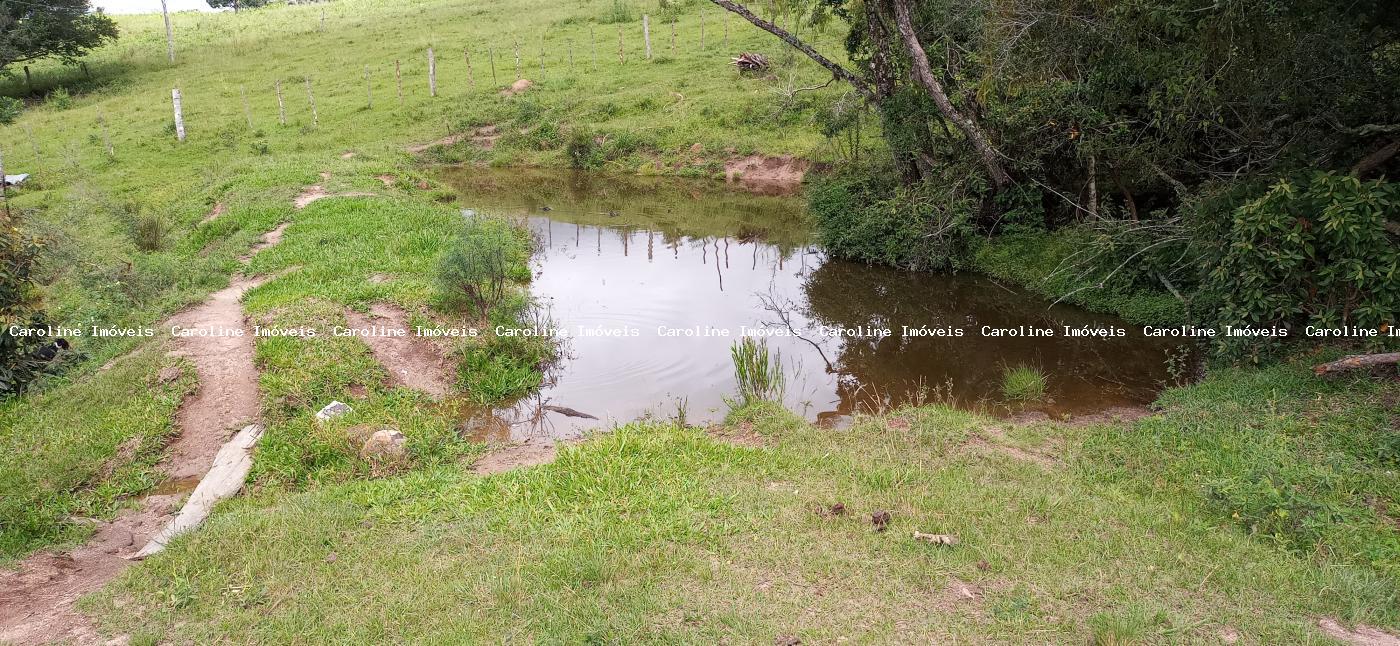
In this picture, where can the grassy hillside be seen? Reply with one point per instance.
(129, 239)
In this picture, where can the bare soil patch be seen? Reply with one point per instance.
(483, 136)
(518, 87)
(318, 192)
(515, 456)
(1362, 635)
(741, 435)
(411, 361)
(218, 210)
(780, 175)
(37, 597)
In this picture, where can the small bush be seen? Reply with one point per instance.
(619, 11)
(59, 99)
(10, 109)
(480, 263)
(759, 376)
(1312, 251)
(19, 305)
(148, 232)
(866, 219)
(583, 150)
(1022, 384)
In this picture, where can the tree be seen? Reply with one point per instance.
(65, 29)
(237, 4)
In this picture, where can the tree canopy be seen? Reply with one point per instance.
(65, 29)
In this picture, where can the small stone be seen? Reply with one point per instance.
(169, 374)
(386, 443)
(332, 557)
(333, 410)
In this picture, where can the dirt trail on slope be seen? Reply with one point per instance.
(36, 598)
(411, 361)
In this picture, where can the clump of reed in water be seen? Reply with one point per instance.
(758, 374)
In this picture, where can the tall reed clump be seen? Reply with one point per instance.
(758, 373)
(1023, 384)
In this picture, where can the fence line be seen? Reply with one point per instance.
(703, 46)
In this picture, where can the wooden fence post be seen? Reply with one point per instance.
(541, 58)
(621, 55)
(311, 98)
(702, 29)
(471, 78)
(593, 44)
(369, 91)
(398, 80)
(646, 33)
(281, 109)
(179, 115)
(491, 58)
(571, 56)
(516, 44)
(432, 73)
(724, 20)
(169, 34)
(673, 38)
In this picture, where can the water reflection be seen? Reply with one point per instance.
(654, 280)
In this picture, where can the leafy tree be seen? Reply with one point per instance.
(65, 29)
(237, 4)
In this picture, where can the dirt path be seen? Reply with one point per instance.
(411, 361)
(36, 598)
(515, 456)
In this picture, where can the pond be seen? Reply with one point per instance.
(651, 280)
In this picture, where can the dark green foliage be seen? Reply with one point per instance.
(19, 306)
(238, 4)
(65, 29)
(1312, 251)
(476, 268)
(918, 227)
(10, 109)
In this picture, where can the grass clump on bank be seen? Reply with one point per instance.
(759, 375)
(1023, 384)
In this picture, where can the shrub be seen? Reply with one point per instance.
(865, 219)
(19, 305)
(1310, 252)
(480, 262)
(59, 99)
(620, 11)
(1022, 384)
(10, 109)
(583, 150)
(759, 376)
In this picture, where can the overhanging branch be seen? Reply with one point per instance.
(842, 73)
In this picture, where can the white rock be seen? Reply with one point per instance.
(333, 410)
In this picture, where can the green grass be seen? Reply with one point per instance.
(126, 246)
(1035, 261)
(655, 533)
(1022, 383)
(79, 450)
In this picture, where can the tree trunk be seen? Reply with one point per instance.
(883, 74)
(923, 73)
(860, 84)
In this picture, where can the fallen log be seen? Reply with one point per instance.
(224, 479)
(1357, 361)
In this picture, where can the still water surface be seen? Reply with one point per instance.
(646, 277)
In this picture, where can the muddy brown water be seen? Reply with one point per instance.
(650, 281)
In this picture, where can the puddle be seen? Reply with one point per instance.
(175, 486)
(647, 275)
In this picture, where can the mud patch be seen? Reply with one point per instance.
(1362, 635)
(36, 599)
(483, 136)
(994, 440)
(270, 239)
(518, 87)
(388, 180)
(218, 210)
(317, 192)
(780, 175)
(741, 435)
(515, 456)
(411, 361)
